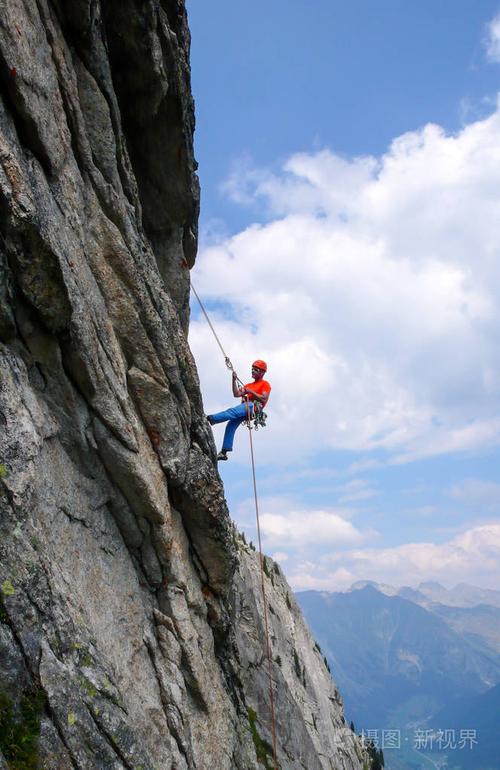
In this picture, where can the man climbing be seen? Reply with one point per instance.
(256, 392)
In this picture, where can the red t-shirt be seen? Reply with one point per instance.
(262, 387)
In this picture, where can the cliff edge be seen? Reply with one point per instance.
(130, 615)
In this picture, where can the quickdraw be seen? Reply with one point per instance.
(259, 417)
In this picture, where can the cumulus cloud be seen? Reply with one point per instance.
(493, 39)
(300, 529)
(372, 287)
(473, 556)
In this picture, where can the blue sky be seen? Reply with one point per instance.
(350, 169)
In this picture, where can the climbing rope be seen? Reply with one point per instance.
(257, 517)
(219, 343)
(264, 597)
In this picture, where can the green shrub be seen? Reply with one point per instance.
(20, 729)
(296, 663)
(263, 750)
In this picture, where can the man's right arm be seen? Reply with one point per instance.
(236, 389)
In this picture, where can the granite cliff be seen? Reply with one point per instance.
(130, 617)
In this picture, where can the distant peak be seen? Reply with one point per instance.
(383, 588)
(359, 584)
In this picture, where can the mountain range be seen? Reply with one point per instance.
(405, 660)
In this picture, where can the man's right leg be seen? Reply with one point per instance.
(231, 428)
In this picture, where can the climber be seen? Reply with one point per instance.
(256, 392)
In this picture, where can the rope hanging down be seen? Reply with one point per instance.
(264, 597)
(257, 517)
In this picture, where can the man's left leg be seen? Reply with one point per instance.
(231, 428)
(234, 412)
(234, 417)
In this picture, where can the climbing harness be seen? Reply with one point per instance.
(259, 416)
(259, 419)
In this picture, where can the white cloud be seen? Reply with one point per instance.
(473, 556)
(447, 440)
(300, 529)
(306, 577)
(373, 292)
(493, 39)
(477, 493)
(355, 490)
(280, 556)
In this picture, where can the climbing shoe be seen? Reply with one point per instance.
(222, 455)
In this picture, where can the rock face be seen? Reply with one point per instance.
(131, 614)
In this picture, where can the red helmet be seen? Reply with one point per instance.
(260, 365)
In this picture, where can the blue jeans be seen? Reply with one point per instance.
(236, 415)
